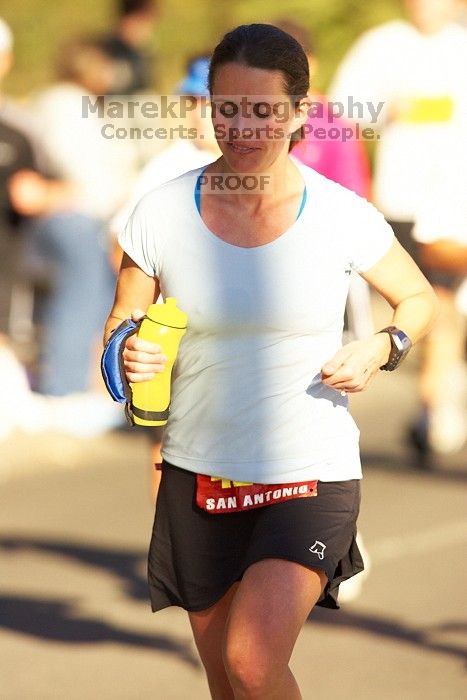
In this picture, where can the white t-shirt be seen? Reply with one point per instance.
(248, 403)
(392, 63)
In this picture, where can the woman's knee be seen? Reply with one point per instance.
(250, 670)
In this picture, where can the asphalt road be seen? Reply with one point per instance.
(75, 519)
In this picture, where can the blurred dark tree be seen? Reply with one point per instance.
(184, 29)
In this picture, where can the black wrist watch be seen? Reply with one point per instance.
(400, 346)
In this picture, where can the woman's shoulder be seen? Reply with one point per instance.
(176, 192)
(327, 191)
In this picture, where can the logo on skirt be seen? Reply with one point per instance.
(318, 548)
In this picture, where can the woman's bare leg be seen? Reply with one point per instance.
(208, 630)
(245, 641)
(267, 613)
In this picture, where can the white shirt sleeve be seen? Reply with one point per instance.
(138, 238)
(369, 236)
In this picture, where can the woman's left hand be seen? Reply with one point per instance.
(353, 367)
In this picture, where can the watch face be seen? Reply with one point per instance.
(397, 342)
(401, 341)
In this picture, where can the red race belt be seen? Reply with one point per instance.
(216, 495)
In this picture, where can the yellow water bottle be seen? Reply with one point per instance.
(165, 324)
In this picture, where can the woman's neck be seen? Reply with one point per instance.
(282, 179)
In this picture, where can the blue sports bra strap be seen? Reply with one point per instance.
(302, 205)
(198, 191)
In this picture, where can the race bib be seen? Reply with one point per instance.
(216, 495)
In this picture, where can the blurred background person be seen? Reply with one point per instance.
(69, 235)
(441, 233)
(416, 67)
(126, 46)
(17, 152)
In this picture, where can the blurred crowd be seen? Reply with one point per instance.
(66, 191)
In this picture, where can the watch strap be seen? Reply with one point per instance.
(400, 346)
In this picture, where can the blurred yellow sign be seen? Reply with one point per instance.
(425, 110)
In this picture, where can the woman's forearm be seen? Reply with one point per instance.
(415, 315)
(398, 279)
(134, 293)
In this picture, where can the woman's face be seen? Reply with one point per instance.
(252, 116)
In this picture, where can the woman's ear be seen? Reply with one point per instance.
(302, 110)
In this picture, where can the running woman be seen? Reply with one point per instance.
(260, 490)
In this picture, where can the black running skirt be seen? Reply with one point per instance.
(195, 557)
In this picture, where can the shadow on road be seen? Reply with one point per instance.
(391, 629)
(447, 468)
(125, 564)
(61, 621)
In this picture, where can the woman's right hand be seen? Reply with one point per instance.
(142, 359)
